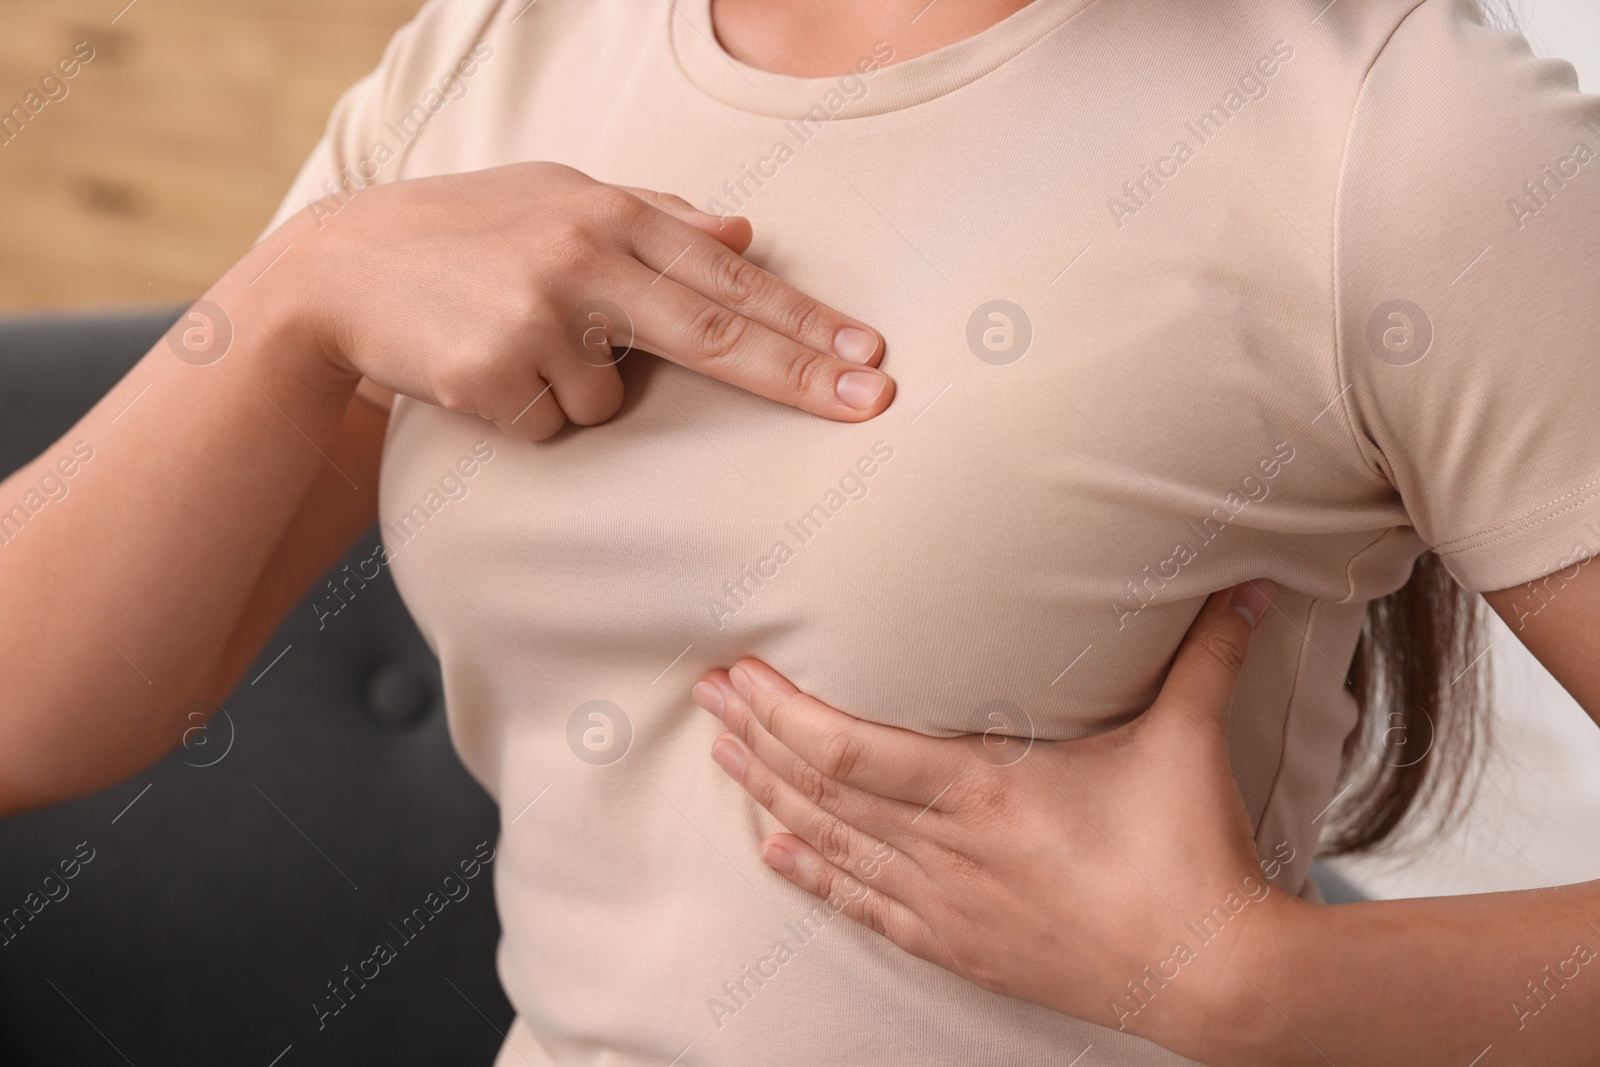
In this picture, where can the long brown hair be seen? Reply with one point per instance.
(1421, 681)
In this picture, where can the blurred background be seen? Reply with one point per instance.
(174, 145)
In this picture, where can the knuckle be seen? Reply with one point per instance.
(518, 313)
(567, 246)
(839, 753)
(958, 865)
(544, 170)
(737, 718)
(812, 783)
(1226, 648)
(805, 372)
(716, 332)
(874, 915)
(764, 790)
(456, 392)
(833, 842)
(804, 319)
(774, 712)
(618, 208)
(596, 404)
(739, 282)
(883, 854)
(454, 401)
(981, 796)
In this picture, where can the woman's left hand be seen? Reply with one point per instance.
(1112, 878)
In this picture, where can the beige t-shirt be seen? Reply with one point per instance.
(1177, 294)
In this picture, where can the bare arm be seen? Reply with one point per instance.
(330, 518)
(1558, 618)
(1442, 980)
(130, 599)
(212, 489)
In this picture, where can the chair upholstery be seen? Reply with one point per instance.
(272, 850)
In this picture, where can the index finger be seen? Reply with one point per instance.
(882, 760)
(717, 313)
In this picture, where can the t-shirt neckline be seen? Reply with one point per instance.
(903, 84)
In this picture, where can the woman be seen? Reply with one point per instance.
(1174, 296)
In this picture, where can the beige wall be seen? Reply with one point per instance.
(175, 142)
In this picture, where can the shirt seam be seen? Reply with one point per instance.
(1370, 453)
(689, 78)
(1519, 525)
(1307, 646)
(1288, 719)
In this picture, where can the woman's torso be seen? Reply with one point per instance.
(1144, 194)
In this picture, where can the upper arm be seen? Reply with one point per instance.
(1469, 295)
(1469, 292)
(1558, 618)
(341, 504)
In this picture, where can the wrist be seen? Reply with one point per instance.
(272, 302)
(1207, 999)
(1245, 1022)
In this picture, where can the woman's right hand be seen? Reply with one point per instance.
(497, 292)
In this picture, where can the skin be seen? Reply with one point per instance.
(1060, 878)
(818, 38)
(218, 493)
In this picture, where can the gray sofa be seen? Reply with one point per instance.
(225, 887)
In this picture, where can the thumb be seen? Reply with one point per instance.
(732, 230)
(1201, 683)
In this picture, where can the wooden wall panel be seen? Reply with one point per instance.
(173, 145)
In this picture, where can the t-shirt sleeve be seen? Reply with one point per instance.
(427, 62)
(1467, 268)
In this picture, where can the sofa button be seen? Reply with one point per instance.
(396, 697)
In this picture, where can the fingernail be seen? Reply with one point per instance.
(860, 389)
(779, 859)
(741, 681)
(1250, 600)
(709, 697)
(854, 344)
(730, 756)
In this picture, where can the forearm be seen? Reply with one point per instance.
(125, 592)
(330, 519)
(1426, 981)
